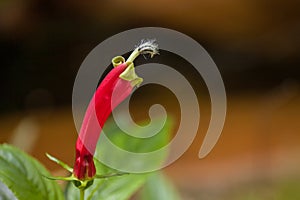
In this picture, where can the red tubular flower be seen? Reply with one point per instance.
(119, 83)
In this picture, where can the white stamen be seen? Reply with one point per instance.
(148, 46)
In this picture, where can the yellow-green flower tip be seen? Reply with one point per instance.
(117, 60)
(130, 75)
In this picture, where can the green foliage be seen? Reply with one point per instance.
(140, 144)
(288, 189)
(23, 176)
(5, 193)
(159, 187)
(125, 152)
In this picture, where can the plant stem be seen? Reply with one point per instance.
(133, 55)
(81, 194)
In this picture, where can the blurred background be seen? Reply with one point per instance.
(255, 45)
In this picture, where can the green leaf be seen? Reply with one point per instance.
(139, 144)
(131, 154)
(159, 187)
(5, 193)
(24, 176)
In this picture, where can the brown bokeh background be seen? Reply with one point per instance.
(255, 45)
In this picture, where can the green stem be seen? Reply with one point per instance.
(133, 55)
(81, 194)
